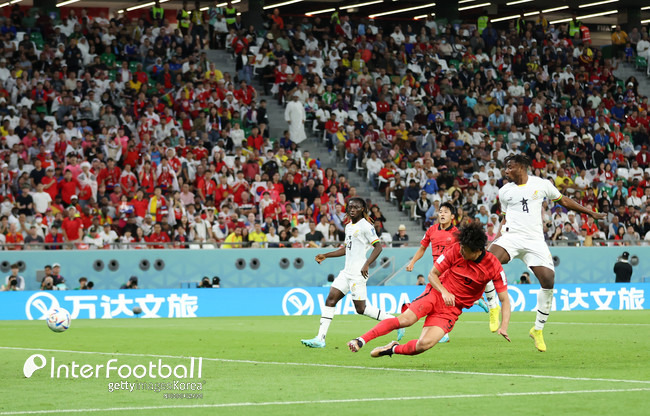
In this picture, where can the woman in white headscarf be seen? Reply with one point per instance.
(86, 177)
(84, 47)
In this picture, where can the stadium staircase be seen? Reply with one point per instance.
(317, 149)
(625, 71)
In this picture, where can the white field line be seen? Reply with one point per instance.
(347, 367)
(329, 401)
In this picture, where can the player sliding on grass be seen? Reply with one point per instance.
(456, 281)
(522, 236)
(359, 235)
(439, 236)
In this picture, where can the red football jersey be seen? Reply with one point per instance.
(467, 279)
(439, 239)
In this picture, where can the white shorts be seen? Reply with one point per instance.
(355, 285)
(534, 252)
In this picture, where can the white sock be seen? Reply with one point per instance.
(491, 295)
(325, 321)
(544, 303)
(374, 313)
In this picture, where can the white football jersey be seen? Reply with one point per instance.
(522, 205)
(358, 238)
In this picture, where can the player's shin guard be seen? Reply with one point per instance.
(491, 295)
(382, 328)
(325, 321)
(374, 313)
(407, 349)
(544, 303)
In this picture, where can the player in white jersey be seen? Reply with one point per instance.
(359, 236)
(522, 236)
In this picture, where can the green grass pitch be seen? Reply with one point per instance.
(597, 363)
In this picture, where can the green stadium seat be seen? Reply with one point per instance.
(641, 63)
(607, 51)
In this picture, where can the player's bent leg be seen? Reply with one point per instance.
(495, 315)
(490, 293)
(546, 279)
(481, 303)
(364, 307)
(327, 315)
(382, 328)
(500, 253)
(334, 297)
(429, 337)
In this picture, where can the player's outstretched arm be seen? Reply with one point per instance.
(434, 279)
(574, 206)
(336, 253)
(376, 251)
(505, 314)
(418, 255)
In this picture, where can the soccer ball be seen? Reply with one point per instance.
(58, 319)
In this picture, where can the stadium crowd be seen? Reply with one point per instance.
(120, 133)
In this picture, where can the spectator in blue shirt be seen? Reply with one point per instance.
(618, 112)
(431, 185)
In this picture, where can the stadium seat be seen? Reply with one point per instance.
(623, 173)
(28, 22)
(641, 63)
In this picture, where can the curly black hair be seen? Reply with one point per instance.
(472, 236)
(520, 159)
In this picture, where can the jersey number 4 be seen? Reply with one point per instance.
(524, 204)
(349, 245)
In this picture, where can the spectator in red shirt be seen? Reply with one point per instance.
(54, 236)
(158, 236)
(110, 175)
(68, 187)
(72, 226)
(14, 239)
(590, 226)
(139, 204)
(255, 139)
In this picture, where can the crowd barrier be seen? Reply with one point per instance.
(190, 303)
(283, 267)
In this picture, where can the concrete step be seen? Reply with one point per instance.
(226, 63)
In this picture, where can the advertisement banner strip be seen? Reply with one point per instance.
(190, 303)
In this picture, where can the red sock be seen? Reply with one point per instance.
(407, 349)
(382, 328)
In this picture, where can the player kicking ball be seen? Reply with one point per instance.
(359, 236)
(439, 236)
(522, 236)
(456, 281)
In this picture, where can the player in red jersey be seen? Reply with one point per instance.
(456, 281)
(439, 237)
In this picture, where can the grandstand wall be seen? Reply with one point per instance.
(246, 268)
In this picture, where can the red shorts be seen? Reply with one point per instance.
(431, 304)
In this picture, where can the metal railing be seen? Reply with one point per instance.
(160, 245)
(207, 245)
